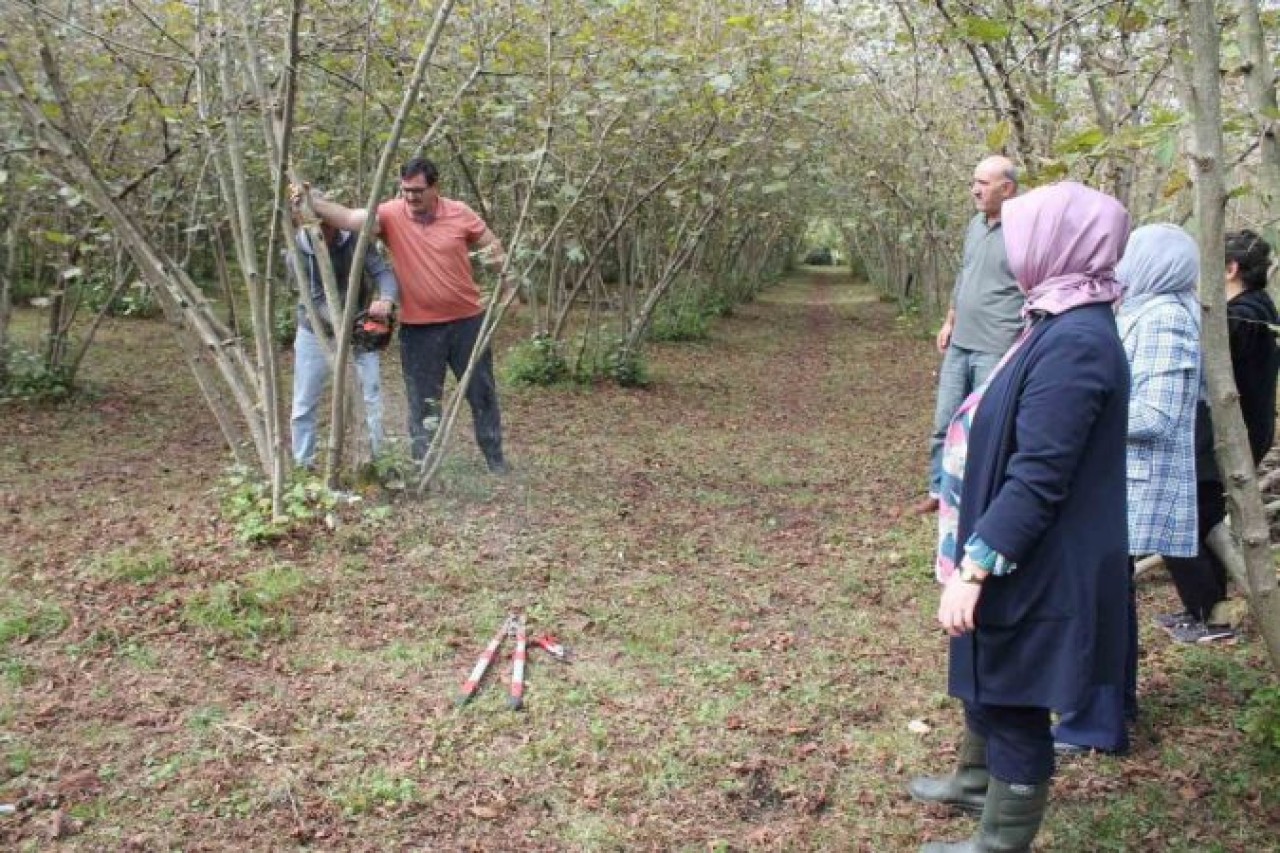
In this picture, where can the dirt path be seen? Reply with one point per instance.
(752, 626)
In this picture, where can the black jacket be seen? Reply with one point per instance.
(1255, 361)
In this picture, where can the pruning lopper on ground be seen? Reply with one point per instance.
(513, 627)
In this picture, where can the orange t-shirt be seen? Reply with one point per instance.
(432, 260)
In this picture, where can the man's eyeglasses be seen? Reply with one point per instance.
(413, 191)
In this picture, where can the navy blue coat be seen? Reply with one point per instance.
(1044, 485)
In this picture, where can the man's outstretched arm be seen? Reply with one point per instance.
(331, 213)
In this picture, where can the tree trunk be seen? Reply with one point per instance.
(343, 329)
(266, 374)
(9, 274)
(182, 301)
(1260, 87)
(684, 251)
(1231, 444)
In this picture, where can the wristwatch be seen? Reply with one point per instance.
(970, 573)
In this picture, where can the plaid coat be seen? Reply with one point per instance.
(1162, 342)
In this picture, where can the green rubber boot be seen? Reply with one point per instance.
(966, 788)
(1010, 821)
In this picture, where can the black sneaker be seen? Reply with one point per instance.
(1195, 633)
(1073, 750)
(1169, 621)
(498, 466)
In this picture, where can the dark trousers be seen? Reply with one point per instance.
(1019, 746)
(1101, 721)
(425, 350)
(1201, 580)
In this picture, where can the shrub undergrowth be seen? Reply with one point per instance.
(30, 379)
(538, 361)
(688, 318)
(135, 301)
(246, 503)
(284, 323)
(627, 368)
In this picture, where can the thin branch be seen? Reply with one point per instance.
(160, 29)
(66, 22)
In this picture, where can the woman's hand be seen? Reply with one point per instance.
(959, 601)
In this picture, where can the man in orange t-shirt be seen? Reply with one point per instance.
(430, 239)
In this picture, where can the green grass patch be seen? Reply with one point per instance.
(131, 566)
(22, 618)
(18, 758)
(206, 718)
(16, 673)
(376, 789)
(252, 608)
(405, 656)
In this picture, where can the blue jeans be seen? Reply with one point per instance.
(425, 351)
(310, 373)
(962, 372)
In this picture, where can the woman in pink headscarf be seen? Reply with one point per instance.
(1037, 609)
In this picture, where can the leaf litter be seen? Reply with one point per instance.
(725, 551)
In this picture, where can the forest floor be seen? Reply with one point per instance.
(756, 666)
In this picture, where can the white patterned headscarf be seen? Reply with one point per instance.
(1161, 259)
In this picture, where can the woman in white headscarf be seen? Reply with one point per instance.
(1159, 324)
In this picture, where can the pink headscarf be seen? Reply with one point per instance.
(1063, 242)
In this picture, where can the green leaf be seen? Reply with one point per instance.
(1085, 142)
(1128, 20)
(998, 136)
(58, 238)
(1051, 170)
(1166, 150)
(1045, 104)
(1135, 21)
(984, 29)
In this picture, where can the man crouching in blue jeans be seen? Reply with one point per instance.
(311, 364)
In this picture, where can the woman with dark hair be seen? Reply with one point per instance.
(1036, 607)
(1201, 580)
